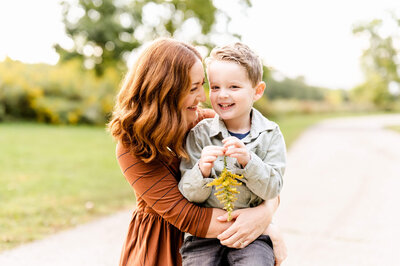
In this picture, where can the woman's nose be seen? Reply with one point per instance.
(202, 95)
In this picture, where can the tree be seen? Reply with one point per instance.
(104, 32)
(296, 88)
(380, 61)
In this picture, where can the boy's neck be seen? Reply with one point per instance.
(237, 125)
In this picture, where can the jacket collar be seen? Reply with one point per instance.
(258, 124)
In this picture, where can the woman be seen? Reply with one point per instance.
(155, 108)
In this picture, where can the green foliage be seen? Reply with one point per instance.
(62, 94)
(374, 90)
(293, 89)
(380, 62)
(380, 56)
(107, 30)
(395, 128)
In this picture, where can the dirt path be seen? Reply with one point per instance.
(339, 205)
(341, 197)
(94, 244)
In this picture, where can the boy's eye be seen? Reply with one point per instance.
(235, 87)
(214, 87)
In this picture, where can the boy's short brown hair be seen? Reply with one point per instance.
(241, 54)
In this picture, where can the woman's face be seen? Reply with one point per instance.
(196, 94)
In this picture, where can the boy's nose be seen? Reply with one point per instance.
(223, 93)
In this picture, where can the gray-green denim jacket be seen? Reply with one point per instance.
(262, 176)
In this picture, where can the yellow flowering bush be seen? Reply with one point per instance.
(59, 94)
(226, 190)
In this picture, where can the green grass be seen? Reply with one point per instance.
(54, 177)
(293, 125)
(394, 127)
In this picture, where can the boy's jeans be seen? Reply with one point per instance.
(209, 251)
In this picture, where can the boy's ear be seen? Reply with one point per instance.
(259, 90)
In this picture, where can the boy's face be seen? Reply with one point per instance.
(231, 92)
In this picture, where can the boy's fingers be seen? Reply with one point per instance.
(234, 151)
(228, 139)
(207, 165)
(209, 159)
(218, 151)
(213, 152)
(236, 143)
(213, 148)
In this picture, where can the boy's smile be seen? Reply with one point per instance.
(232, 94)
(225, 106)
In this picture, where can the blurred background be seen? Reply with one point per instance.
(61, 63)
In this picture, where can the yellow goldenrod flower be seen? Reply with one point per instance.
(225, 190)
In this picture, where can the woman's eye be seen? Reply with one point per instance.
(193, 89)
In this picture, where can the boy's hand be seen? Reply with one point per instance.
(208, 156)
(235, 148)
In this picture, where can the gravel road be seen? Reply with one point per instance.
(340, 199)
(339, 204)
(94, 244)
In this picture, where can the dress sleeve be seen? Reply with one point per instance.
(156, 185)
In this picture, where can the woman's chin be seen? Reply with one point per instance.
(191, 116)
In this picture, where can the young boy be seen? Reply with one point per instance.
(253, 145)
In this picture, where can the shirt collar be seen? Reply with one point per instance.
(218, 126)
(258, 124)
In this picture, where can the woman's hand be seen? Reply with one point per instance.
(280, 250)
(249, 224)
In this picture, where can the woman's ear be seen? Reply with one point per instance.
(259, 90)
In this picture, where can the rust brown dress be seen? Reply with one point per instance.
(161, 215)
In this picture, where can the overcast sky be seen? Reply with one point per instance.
(310, 38)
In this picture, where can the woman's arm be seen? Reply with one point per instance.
(159, 189)
(218, 223)
(280, 250)
(156, 185)
(249, 224)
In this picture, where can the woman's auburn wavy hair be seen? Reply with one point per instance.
(148, 117)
